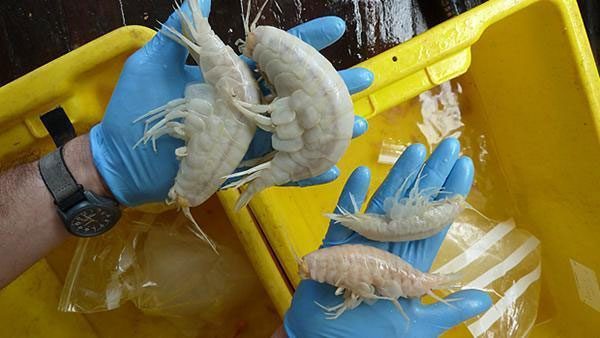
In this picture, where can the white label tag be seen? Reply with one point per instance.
(587, 284)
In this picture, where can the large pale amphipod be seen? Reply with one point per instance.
(311, 117)
(216, 133)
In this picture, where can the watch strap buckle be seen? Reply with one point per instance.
(69, 201)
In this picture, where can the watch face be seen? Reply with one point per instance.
(92, 221)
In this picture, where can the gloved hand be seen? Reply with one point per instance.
(157, 74)
(443, 169)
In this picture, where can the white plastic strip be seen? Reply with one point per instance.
(492, 315)
(476, 250)
(587, 284)
(503, 267)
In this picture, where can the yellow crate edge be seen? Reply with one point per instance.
(259, 254)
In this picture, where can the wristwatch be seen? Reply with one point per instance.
(84, 213)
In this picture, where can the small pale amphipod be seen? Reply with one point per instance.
(365, 273)
(410, 218)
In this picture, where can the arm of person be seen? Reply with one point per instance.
(30, 226)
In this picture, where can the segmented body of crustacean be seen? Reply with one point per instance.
(311, 116)
(217, 135)
(411, 218)
(365, 273)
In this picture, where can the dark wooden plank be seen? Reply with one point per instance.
(372, 26)
(34, 32)
(590, 11)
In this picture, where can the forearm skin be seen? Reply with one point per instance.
(29, 223)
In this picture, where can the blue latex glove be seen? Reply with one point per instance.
(157, 74)
(443, 169)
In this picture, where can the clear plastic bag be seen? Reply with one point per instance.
(179, 276)
(391, 150)
(165, 270)
(441, 114)
(435, 115)
(102, 274)
(499, 257)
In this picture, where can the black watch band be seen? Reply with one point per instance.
(59, 180)
(84, 213)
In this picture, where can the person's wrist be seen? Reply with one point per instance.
(78, 158)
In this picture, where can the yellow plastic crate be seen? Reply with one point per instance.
(530, 86)
(531, 90)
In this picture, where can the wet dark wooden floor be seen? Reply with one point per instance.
(34, 32)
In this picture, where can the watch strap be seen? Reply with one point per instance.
(59, 180)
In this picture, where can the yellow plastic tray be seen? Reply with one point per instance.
(531, 91)
(530, 87)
